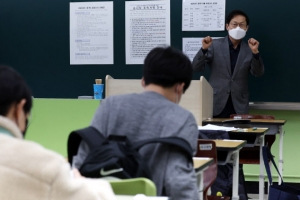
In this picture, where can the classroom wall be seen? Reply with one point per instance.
(53, 120)
(34, 39)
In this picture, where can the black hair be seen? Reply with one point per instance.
(13, 89)
(234, 13)
(166, 66)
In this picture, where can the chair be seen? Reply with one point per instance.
(250, 155)
(133, 186)
(207, 148)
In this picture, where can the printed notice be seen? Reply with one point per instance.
(203, 15)
(91, 33)
(191, 46)
(147, 26)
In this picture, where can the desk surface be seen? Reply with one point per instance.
(230, 144)
(201, 162)
(256, 121)
(258, 131)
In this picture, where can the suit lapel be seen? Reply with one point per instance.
(226, 53)
(240, 58)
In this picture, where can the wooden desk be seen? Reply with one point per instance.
(251, 136)
(274, 125)
(200, 165)
(276, 128)
(228, 152)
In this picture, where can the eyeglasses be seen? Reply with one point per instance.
(241, 25)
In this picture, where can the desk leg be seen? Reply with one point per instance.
(200, 183)
(235, 181)
(280, 162)
(262, 170)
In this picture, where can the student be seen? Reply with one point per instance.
(155, 113)
(230, 60)
(27, 170)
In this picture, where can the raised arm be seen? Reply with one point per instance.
(203, 55)
(257, 66)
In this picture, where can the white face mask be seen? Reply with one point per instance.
(177, 97)
(237, 33)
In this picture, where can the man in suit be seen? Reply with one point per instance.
(230, 60)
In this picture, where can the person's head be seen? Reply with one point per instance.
(168, 68)
(15, 97)
(237, 23)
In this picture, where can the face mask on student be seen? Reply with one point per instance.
(237, 33)
(26, 126)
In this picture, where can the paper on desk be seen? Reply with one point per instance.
(215, 127)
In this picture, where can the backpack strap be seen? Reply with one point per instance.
(175, 141)
(267, 155)
(89, 134)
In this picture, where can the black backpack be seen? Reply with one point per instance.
(116, 156)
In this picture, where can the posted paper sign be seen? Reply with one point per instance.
(191, 46)
(203, 15)
(91, 33)
(147, 26)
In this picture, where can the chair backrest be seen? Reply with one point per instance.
(133, 186)
(207, 148)
(251, 116)
(198, 99)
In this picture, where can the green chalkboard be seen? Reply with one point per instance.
(34, 39)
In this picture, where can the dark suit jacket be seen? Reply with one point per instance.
(223, 83)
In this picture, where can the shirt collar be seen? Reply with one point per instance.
(231, 45)
(5, 132)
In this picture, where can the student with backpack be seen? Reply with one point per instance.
(155, 113)
(28, 171)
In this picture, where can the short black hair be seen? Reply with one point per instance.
(13, 89)
(234, 13)
(166, 66)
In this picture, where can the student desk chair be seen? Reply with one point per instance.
(274, 126)
(133, 186)
(201, 165)
(145, 186)
(254, 137)
(227, 152)
(207, 148)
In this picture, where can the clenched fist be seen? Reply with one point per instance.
(206, 42)
(253, 44)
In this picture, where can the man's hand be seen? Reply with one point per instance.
(206, 42)
(253, 44)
